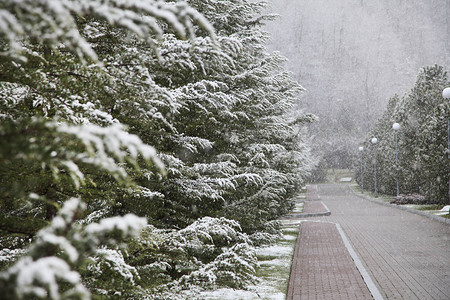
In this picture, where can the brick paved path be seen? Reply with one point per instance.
(312, 207)
(406, 255)
(322, 267)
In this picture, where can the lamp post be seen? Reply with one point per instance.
(374, 141)
(446, 95)
(361, 149)
(396, 128)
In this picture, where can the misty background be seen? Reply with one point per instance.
(351, 56)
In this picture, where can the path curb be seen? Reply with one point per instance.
(327, 212)
(411, 210)
(365, 275)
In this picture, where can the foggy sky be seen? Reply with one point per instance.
(353, 55)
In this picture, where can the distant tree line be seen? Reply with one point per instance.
(351, 57)
(423, 156)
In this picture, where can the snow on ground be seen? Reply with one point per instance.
(346, 179)
(290, 237)
(441, 213)
(274, 251)
(277, 262)
(290, 222)
(445, 208)
(257, 292)
(229, 294)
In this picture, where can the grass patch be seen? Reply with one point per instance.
(275, 265)
(381, 197)
(429, 207)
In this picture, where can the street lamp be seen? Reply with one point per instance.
(396, 128)
(374, 141)
(446, 95)
(361, 149)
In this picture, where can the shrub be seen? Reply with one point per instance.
(410, 199)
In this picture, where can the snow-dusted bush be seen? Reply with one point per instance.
(210, 253)
(270, 234)
(234, 267)
(409, 199)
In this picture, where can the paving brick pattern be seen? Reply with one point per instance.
(406, 255)
(314, 207)
(322, 268)
(312, 193)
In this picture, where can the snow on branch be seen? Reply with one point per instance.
(199, 189)
(194, 144)
(111, 259)
(214, 230)
(248, 179)
(127, 226)
(46, 269)
(53, 22)
(40, 278)
(224, 168)
(106, 147)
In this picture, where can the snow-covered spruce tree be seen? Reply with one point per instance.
(236, 153)
(260, 135)
(217, 100)
(58, 135)
(206, 99)
(47, 82)
(422, 140)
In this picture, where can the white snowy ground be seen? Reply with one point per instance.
(444, 211)
(273, 272)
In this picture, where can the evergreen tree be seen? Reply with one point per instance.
(422, 140)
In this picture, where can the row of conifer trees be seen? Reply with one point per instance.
(145, 146)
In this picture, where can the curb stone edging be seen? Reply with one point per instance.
(411, 210)
(306, 215)
(327, 212)
(364, 274)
